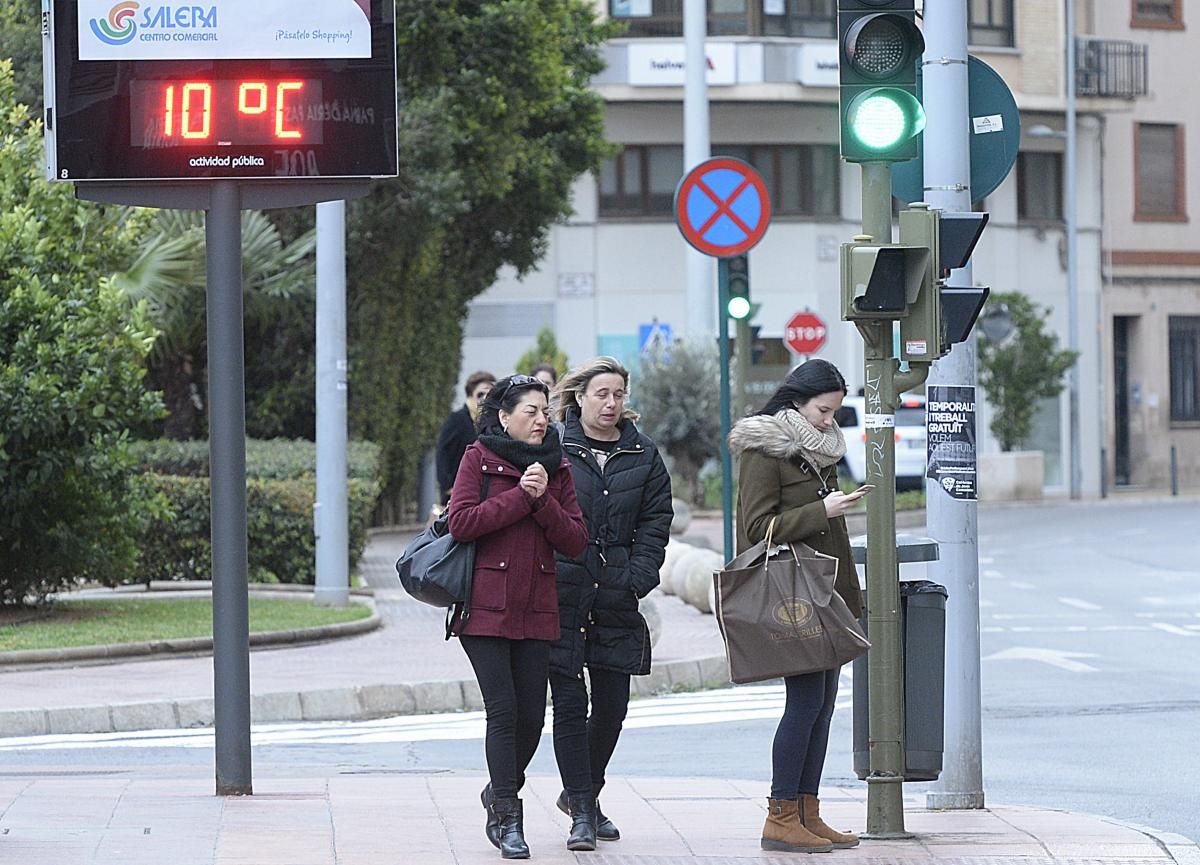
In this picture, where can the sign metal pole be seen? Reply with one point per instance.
(726, 425)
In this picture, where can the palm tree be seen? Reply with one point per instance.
(169, 275)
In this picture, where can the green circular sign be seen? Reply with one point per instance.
(994, 126)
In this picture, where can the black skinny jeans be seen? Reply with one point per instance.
(583, 743)
(512, 678)
(802, 737)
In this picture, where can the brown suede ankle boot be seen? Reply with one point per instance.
(783, 831)
(810, 816)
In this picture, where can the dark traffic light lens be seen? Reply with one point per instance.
(879, 46)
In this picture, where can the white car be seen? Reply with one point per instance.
(910, 439)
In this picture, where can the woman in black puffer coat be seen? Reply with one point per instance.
(624, 491)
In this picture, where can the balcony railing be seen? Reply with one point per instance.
(1111, 68)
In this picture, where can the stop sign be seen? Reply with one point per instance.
(805, 333)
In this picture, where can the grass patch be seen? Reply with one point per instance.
(95, 623)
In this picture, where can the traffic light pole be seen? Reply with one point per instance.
(726, 457)
(951, 521)
(883, 385)
(741, 364)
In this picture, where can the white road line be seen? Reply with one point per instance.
(1174, 629)
(1053, 657)
(1080, 603)
(1021, 584)
(993, 574)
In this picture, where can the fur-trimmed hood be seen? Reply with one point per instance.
(770, 435)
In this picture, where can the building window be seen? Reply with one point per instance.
(641, 181)
(1039, 187)
(1158, 155)
(1166, 14)
(799, 18)
(1184, 349)
(649, 18)
(801, 179)
(990, 23)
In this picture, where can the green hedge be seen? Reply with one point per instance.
(279, 526)
(280, 459)
(280, 491)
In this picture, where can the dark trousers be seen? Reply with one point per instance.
(583, 742)
(512, 678)
(802, 737)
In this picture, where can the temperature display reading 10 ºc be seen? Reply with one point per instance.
(225, 112)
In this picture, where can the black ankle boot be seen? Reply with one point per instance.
(492, 827)
(583, 823)
(606, 830)
(512, 828)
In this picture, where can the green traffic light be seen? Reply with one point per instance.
(739, 307)
(882, 118)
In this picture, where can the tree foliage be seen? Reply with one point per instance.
(1019, 371)
(496, 122)
(71, 375)
(21, 42)
(169, 274)
(545, 350)
(677, 396)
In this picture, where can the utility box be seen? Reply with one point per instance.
(923, 637)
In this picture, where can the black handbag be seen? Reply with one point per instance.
(438, 570)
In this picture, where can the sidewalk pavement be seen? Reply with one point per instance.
(405, 816)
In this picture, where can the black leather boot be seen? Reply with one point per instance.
(583, 823)
(606, 830)
(512, 828)
(492, 827)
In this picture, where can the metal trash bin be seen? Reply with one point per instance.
(923, 637)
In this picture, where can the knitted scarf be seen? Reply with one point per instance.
(820, 448)
(523, 455)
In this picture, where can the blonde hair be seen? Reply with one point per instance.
(574, 384)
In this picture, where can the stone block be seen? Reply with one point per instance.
(143, 716)
(379, 701)
(438, 696)
(329, 704)
(279, 706)
(79, 719)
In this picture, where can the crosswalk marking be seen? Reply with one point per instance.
(1080, 603)
(739, 703)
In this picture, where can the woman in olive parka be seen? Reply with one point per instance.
(787, 473)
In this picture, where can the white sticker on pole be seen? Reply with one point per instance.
(879, 421)
(988, 123)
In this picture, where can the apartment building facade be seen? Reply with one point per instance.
(616, 270)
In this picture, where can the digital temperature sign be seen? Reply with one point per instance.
(181, 116)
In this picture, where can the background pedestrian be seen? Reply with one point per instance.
(459, 431)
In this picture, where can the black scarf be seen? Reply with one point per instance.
(523, 455)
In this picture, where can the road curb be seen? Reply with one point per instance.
(1181, 849)
(357, 703)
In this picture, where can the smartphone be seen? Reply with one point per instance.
(864, 489)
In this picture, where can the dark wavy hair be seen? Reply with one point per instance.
(505, 395)
(812, 378)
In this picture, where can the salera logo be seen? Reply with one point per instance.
(793, 612)
(118, 28)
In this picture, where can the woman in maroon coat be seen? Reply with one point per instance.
(528, 514)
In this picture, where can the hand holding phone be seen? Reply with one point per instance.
(863, 490)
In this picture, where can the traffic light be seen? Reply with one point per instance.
(879, 46)
(740, 306)
(940, 315)
(880, 281)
